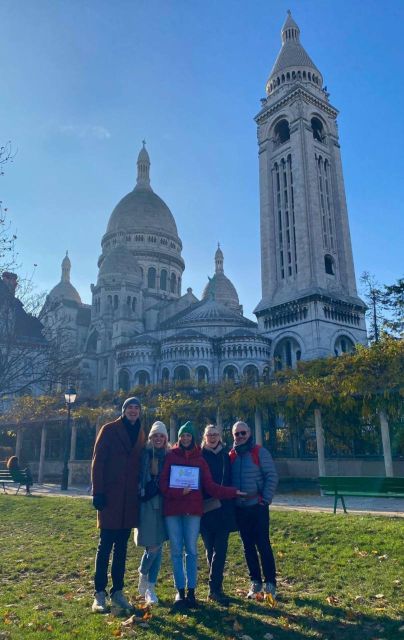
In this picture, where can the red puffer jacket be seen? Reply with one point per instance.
(191, 504)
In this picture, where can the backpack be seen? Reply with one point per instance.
(255, 454)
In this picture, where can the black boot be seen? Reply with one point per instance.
(219, 597)
(191, 600)
(179, 600)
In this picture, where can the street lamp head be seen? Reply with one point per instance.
(70, 396)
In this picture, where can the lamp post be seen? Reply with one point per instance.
(70, 398)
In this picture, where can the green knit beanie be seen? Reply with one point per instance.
(187, 428)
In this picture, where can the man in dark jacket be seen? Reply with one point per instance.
(114, 474)
(253, 471)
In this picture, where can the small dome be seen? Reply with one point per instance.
(120, 261)
(64, 290)
(220, 288)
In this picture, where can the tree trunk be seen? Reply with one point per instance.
(388, 461)
(320, 442)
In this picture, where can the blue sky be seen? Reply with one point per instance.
(84, 81)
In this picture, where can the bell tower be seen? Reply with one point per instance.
(309, 307)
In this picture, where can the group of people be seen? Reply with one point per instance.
(175, 493)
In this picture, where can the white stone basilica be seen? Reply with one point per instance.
(141, 329)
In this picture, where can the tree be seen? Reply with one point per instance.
(374, 299)
(393, 302)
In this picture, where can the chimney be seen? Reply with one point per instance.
(10, 280)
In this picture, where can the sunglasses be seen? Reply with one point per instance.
(240, 433)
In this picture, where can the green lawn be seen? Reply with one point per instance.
(340, 577)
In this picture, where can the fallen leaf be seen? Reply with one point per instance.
(332, 600)
(379, 596)
(359, 599)
(237, 626)
(39, 607)
(383, 557)
(269, 599)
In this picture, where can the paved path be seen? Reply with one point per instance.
(393, 507)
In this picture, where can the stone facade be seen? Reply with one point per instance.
(141, 328)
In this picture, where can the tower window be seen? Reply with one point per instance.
(329, 265)
(281, 132)
(317, 129)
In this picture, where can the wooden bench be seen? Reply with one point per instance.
(364, 486)
(6, 478)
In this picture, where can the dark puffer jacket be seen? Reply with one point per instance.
(253, 472)
(175, 502)
(224, 516)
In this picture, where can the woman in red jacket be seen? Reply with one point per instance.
(183, 508)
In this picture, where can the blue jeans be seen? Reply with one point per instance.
(183, 532)
(151, 561)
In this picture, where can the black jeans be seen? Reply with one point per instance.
(116, 539)
(215, 540)
(253, 524)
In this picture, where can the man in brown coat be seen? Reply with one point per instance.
(114, 473)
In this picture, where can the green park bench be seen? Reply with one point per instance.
(20, 478)
(364, 486)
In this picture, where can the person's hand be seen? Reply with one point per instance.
(241, 493)
(99, 501)
(186, 490)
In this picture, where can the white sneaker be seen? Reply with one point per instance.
(255, 587)
(143, 584)
(100, 602)
(120, 602)
(151, 596)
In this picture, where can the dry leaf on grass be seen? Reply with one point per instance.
(237, 626)
(379, 596)
(332, 600)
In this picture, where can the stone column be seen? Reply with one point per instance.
(320, 442)
(388, 461)
(73, 441)
(18, 441)
(42, 454)
(173, 430)
(258, 427)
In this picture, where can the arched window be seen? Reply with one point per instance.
(251, 374)
(181, 373)
(230, 373)
(151, 278)
(287, 353)
(342, 345)
(123, 380)
(202, 375)
(116, 302)
(173, 283)
(281, 132)
(92, 342)
(165, 376)
(329, 265)
(163, 280)
(317, 129)
(142, 378)
(134, 304)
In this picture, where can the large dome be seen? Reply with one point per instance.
(142, 210)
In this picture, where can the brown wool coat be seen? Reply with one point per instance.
(115, 473)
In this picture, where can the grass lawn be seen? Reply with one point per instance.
(340, 577)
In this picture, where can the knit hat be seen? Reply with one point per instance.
(158, 427)
(129, 401)
(187, 428)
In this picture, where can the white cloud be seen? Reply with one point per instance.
(85, 131)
